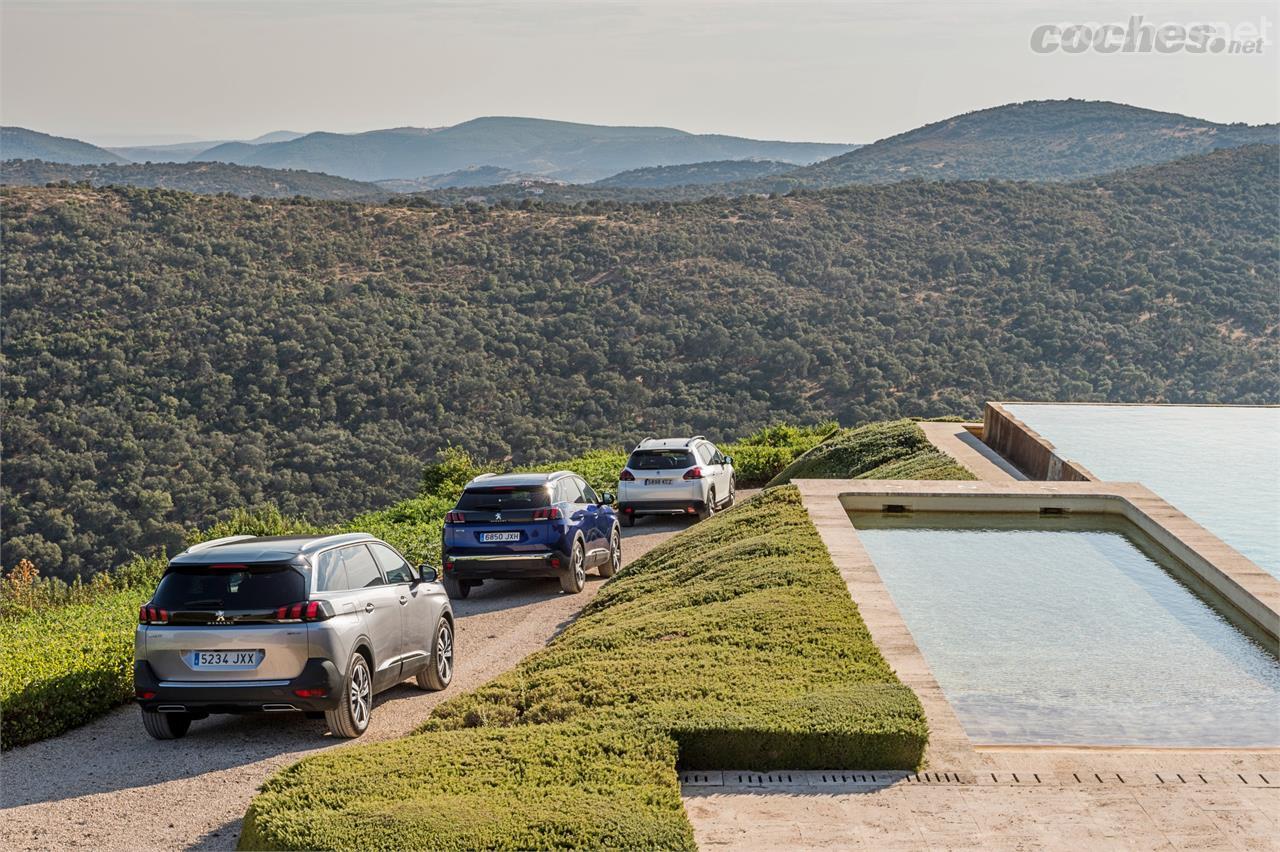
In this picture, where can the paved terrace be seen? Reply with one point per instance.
(998, 797)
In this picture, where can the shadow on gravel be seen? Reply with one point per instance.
(223, 837)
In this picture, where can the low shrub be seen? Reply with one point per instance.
(733, 645)
(65, 665)
(553, 786)
(893, 450)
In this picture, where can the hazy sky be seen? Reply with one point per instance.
(839, 71)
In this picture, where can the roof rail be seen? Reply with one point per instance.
(481, 476)
(559, 473)
(646, 438)
(695, 438)
(214, 542)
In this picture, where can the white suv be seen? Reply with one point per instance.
(675, 476)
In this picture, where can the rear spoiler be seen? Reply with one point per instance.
(214, 542)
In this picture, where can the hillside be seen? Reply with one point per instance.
(474, 176)
(171, 356)
(695, 174)
(556, 149)
(1036, 140)
(181, 152)
(18, 143)
(206, 178)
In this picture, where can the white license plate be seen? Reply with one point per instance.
(658, 481)
(500, 536)
(224, 659)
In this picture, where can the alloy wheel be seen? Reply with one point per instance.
(359, 694)
(444, 652)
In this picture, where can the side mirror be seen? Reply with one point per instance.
(427, 573)
(607, 498)
(727, 460)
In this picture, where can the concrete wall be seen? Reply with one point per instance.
(1027, 449)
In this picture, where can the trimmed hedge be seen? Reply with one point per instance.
(551, 786)
(893, 450)
(66, 665)
(733, 645)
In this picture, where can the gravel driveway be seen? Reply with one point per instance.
(109, 786)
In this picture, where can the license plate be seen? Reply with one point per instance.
(658, 481)
(224, 659)
(500, 536)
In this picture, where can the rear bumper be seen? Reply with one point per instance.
(661, 507)
(239, 696)
(504, 566)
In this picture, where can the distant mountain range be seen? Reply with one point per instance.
(19, 143)
(1035, 140)
(554, 149)
(182, 152)
(504, 159)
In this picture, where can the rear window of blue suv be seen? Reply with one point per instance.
(504, 497)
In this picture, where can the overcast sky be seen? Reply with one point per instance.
(847, 71)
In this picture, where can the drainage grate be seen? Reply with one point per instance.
(829, 778)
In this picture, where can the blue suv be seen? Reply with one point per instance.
(515, 525)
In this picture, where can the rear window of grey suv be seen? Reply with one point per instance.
(660, 460)
(241, 587)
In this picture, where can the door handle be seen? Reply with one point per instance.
(368, 607)
(403, 600)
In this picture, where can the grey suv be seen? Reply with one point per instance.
(287, 623)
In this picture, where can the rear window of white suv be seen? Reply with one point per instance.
(660, 460)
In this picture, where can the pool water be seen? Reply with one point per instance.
(1220, 465)
(1056, 631)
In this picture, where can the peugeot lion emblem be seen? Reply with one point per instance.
(497, 516)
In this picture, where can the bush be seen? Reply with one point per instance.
(734, 645)
(893, 450)
(49, 687)
(558, 786)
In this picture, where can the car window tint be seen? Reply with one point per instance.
(255, 587)
(331, 573)
(572, 490)
(588, 493)
(660, 460)
(362, 571)
(393, 566)
(498, 498)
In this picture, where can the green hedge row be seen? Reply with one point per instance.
(63, 666)
(894, 450)
(734, 645)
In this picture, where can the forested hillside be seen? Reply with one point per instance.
(19, 143)
(172, 356)
(209, 178)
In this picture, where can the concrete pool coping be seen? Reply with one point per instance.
(1250, 590)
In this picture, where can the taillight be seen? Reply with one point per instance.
(551, 513)
(305, 611)
(311, 693)
(152, 615)
(455, 518)
(693, 473)
(627, 476)
(144, 694)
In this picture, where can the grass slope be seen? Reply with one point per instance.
(894, 450)
(732, 645)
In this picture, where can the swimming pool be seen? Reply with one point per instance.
(1071, 631)
(1220, 465)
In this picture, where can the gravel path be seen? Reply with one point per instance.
(109, 786)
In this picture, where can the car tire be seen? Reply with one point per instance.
(455, 588)
(351, 717)
(733, 493)
(628, 519)
(708, 507)
(611, 566)
(439, 671)
(574, 577)
(166, 726)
